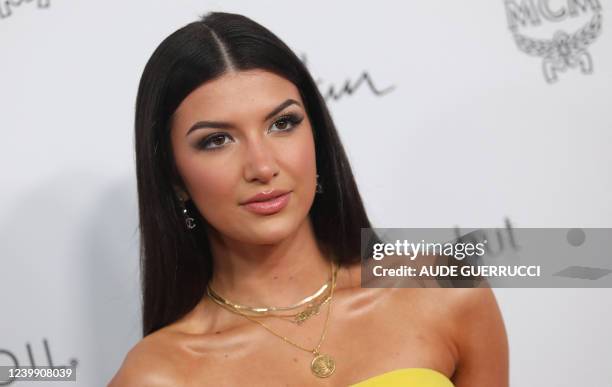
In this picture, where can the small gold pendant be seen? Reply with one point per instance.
(306, 314)
(323, 365)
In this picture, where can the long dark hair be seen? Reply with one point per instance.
(176, 263)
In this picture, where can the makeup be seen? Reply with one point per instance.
(268, 207)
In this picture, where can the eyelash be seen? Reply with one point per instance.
(291, 118)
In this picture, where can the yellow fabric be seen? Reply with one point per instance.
(407, 377)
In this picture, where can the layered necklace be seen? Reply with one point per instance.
(322, 365)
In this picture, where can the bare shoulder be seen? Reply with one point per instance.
(149, 363)
(468, 320)
(472, 328)
(472, 310)
(480, 337)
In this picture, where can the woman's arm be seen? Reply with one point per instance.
(480, 339)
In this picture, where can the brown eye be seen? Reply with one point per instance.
(288, 122)
(283, 123)
(214, 141)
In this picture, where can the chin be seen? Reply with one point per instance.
(272, 230)
(272, 234)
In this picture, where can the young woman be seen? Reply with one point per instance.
(250, 224)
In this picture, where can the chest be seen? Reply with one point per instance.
(367, 334)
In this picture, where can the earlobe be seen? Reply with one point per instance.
(180, 193)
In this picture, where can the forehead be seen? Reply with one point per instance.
(235, 94)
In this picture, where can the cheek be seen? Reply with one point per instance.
(209, 183)
(206, 181)
(302, 160)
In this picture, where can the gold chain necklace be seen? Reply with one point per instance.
(311, 309)
(322, 365)
(265, 309)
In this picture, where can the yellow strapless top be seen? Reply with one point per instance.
(407, 377)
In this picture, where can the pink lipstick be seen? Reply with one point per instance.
(270, 206)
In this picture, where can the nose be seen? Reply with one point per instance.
(260, 161)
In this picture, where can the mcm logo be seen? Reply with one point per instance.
(565, 50)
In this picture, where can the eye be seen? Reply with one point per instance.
(213, 141)
(291, 120)
(285, 123)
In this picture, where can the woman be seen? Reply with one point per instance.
(250, 233)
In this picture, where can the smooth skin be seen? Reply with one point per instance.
(276, 260)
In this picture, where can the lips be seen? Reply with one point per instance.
(265, 195)
(270, 206)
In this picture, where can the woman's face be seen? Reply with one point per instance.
(241, 134)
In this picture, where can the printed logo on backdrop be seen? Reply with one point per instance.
(564, 49)
(331, 91)
(7, 6)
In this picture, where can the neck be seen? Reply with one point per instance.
(274, 274)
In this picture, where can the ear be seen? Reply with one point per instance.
(180, 193)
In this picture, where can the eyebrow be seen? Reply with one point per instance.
(227, 125)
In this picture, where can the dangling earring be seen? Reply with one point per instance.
(189, 221)
(319, 186)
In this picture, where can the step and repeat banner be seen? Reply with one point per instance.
(454, 115)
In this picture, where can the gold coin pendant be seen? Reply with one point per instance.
(323, 365)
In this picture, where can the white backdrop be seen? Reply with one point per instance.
(468, 134)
